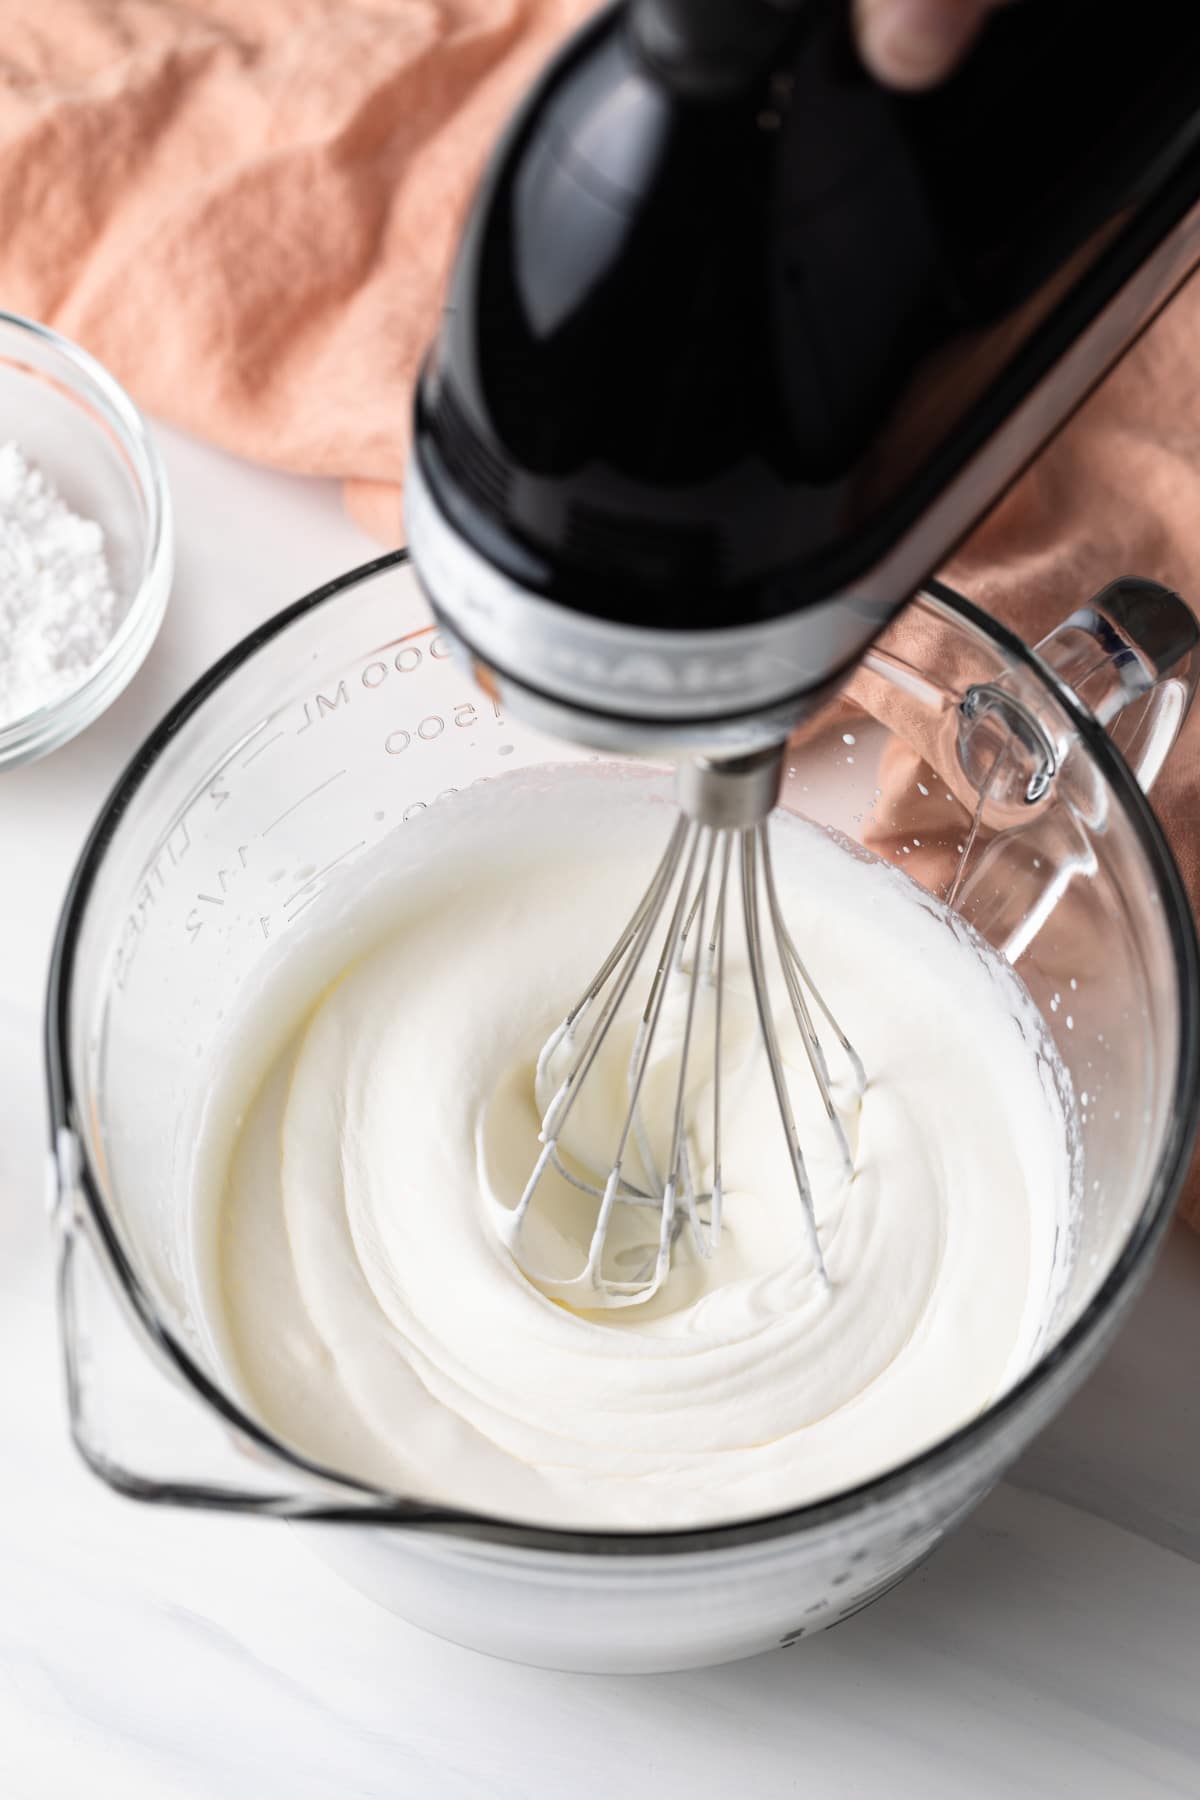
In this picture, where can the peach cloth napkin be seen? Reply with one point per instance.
(246, 209)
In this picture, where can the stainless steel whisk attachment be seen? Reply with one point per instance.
(718, 851)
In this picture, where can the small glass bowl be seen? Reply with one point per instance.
(70, 417)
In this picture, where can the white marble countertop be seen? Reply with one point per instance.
(1052, 1647)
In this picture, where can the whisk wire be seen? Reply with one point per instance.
(679, 1164)
(793, 970)
(770, 1037)
(717, 965)
(630, 947)
(643, 1048)
(788, 945)
(634, 942)
(652, 897)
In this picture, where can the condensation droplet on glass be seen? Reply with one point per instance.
(1070, 1023)
(922, 789)
(1074, 985)
(848, 737)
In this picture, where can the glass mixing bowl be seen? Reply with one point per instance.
(985, 770)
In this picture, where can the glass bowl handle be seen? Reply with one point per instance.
(1132, 656)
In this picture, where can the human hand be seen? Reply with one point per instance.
(913, 43)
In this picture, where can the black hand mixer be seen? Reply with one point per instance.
(737, 348)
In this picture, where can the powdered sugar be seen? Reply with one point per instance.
(58, 608)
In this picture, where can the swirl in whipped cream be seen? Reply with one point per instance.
(370, 1316)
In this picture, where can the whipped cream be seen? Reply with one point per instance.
(373, 1117)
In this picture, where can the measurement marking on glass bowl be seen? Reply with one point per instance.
(225, 875)
(304, 798)
(313, 879)
(266, 922)
(431, 727)
(246, 761)
(220, 787)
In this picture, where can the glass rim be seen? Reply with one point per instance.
(368, 1505)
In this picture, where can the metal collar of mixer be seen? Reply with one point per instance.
(596, 681)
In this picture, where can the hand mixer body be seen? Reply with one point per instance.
(739, 344)
(737, 347)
